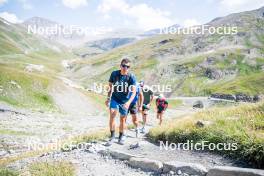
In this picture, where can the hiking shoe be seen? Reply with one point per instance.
(136, 133)
(143, 130)
(110, 142)
(134, 146)
(121, 140)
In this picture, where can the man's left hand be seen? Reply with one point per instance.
(126, 105)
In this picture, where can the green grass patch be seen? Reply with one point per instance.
(248, 78)
(99, 63)
(240, 65)
(9, 100)
(61, 168)
(260, 37)
(24, 89)
(8, 172)
(92, 136)
(16, 133)
(192, 61)
(194, 86)
(97, 135)
(250, 84)
(260, 60)
(243, 125)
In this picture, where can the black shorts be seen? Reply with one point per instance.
(132, 109)
(160, 109)
(145, 107)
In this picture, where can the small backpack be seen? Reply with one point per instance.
(161, 102)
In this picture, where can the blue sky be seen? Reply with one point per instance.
(138, 14)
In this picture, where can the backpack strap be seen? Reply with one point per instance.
(128, 76)
(117, 78)
(127, 79)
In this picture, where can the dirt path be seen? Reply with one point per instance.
(142, 147)
(89, 162)
(71, 101)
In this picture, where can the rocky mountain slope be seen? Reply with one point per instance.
(191, 64)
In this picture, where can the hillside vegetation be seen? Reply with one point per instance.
(243, 124)
(28, 66)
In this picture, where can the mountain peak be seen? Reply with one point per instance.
(39, 21)
(239, 18)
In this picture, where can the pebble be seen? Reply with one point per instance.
(3, 153)
(11, 151)
(171, 173)
(134, 146)
(179, 172)
(44, 154)
(75, 161)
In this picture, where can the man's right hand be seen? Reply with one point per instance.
(148, 105)
(140, 108)
(107, 103)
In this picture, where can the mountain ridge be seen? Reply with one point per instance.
(193, 64)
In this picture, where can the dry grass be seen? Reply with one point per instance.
(61, 168)
(243, 125)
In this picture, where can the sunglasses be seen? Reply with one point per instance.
(125, 66)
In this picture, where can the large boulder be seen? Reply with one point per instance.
(186, 168)
(234, 171)
(213, 73)
(223, 96)
(146, 164)
(256, 98)
(198, 104)
(165, 41)
(181, 69)
(243, 97)
(120, 155)
(210, 60)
